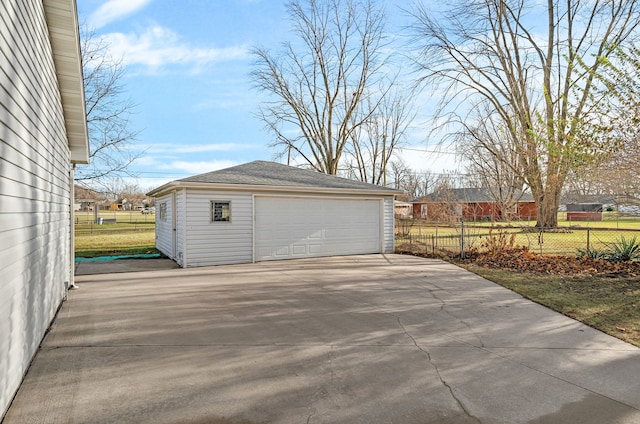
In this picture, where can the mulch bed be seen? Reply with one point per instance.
(527, 261)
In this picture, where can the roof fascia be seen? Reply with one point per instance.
(64, 35)
(175, 185)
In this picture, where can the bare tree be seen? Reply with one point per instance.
(108, 112)
(400, 173)
(414, 183)
(615, 178)
(538, 77)
(492, 161)
(320, 82)
(621, 178)
(374, 143)
(615, 174)
(443, 205)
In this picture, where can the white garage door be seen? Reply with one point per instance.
(287, 228)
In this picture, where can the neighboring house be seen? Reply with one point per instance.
(584, 212)
(471, 204)
(403, 210)
(43, 132)
(266, 211)
(86, 199)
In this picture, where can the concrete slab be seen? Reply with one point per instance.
(124, 265)
(360, 339)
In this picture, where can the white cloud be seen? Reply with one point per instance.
(147, 184)
(194, 168)
(238, 101)
(201, 148)
(113, 10)
(158, 46)
(423, 159)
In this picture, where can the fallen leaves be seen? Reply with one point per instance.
(524, 260)
(528, 261)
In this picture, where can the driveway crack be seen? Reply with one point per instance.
(443, 304)
(437, 370)
(311, 416)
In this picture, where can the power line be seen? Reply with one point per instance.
(164, 174)
(413, 149)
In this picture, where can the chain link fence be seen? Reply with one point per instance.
(467, 237)
(111, 222)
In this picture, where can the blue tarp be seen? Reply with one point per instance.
(113, 258)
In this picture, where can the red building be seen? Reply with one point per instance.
(472, 204)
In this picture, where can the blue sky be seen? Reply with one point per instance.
(187, 70)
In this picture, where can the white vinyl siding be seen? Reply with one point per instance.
(388, 226)
(181, 219)
(286, 228)
(295, 227)
(34, 190)
(217, 243)
(164, 225)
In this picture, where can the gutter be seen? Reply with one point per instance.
(281, 189)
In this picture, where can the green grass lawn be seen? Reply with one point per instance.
(88, 217)
(608, 303)
(114, 243)
(124, 237)
(567, 241)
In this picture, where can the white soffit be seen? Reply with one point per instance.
(62, 20)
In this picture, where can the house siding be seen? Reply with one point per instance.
(181, 219)
(217, 243)
(164, 225)
(34, 188)
(388, 225)
(527, 211)
(201, 242)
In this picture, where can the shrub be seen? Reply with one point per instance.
(621, 250)
(404, 226)
(497, 244)
(593, 254)
(624, 250)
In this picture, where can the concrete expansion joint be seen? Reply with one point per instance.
(332, 372)
(557, 377)
(438, 374)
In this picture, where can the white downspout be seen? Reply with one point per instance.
(72, 232)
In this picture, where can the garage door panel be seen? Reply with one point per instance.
(297, 228)
(299, 249)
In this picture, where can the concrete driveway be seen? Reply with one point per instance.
(360, 339)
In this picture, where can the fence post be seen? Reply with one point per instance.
(462, 239)
(541, 239)
(588, 239)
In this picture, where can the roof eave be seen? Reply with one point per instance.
(62, 21)
(174, 185)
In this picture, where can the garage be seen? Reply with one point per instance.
(264, 211)
(288, 228)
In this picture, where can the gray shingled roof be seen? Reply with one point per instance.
(259, 173)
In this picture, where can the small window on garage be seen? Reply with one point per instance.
(220, 211)
(163, 211)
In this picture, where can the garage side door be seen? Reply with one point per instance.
(287, 228)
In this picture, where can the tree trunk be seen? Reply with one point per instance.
(547, 215)
(547, 207)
